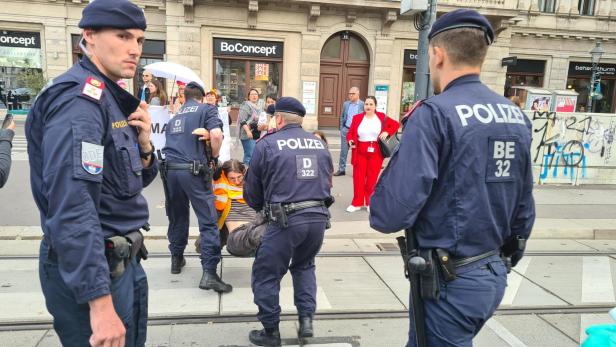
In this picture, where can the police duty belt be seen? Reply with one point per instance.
(195, 167)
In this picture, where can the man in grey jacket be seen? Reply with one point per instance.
(350, 108)
(6, 138)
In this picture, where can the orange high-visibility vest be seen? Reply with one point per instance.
(225, 192)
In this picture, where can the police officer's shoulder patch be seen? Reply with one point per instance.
(93, 88)
(92, 158)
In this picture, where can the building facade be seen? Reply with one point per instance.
(316, 50)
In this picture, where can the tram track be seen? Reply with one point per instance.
(179, 319)
(167, 319)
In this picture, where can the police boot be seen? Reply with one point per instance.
(177, 263)
(305, 327)
(269, 337)
(210, 280)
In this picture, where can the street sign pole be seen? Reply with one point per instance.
(423, 86)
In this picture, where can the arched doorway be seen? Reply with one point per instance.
(345, 63)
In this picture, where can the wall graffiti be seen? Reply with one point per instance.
(573, 148)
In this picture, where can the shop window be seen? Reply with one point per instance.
(264, 77)
(602, 103)
(408, 89)
(21, 73)
(586, 7)
(234, 78)
(547, 6)
(525, 80)
(526, 72)
(231, 80)
(76, 51)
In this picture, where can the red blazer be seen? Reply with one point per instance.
(388, 124)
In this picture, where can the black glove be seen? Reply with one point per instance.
(214, 164)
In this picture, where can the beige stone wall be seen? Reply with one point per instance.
(492, 73)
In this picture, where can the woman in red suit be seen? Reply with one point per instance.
(366, 158)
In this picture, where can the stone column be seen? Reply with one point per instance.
(492, 73)
(558, 73)
(54, 52)
(183, 41)
(310, 71)
(382, 65)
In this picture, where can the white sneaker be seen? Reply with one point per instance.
(352, 209)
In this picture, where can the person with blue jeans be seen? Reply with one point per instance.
(249, 113)
(350, 108)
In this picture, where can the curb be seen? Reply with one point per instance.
(17, 233)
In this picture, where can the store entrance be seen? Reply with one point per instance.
(345, 63)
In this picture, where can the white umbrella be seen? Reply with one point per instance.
(177, 72)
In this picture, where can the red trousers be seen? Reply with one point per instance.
(366, 168)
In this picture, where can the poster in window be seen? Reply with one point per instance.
(566, 103)
(261, 72)
(539, 103)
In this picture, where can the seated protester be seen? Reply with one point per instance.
(228, 191)
(240, 225)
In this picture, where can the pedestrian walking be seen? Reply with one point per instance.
(290, 180)
(460, 184)
(366, 130)
(90, 157)
(187, 178)
(350, 108)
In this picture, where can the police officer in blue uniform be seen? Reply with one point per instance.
(187, 177)
(462, 180)
(290, 179)
(90, 157)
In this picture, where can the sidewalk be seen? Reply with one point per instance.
(366, 286)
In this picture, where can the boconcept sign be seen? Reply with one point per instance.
(20, 39)
(248, 48)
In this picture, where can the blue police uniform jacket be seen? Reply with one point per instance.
(461, 177)
(86, 173)
(289, 165)
(181, 145)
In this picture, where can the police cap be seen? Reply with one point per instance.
(289, 104)
(271, 109)
(195, 85)
(120, 14)
(463, 18)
